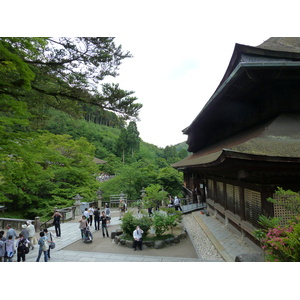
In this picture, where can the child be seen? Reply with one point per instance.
(9, 249)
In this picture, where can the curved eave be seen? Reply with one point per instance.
(226, 154)
(232, 79)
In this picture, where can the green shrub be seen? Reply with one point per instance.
(163, 221)
(129, 223)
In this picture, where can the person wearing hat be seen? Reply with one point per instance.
(24, 231)
(31, 233)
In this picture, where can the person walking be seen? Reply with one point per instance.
(10, 231)
(48, 234)
(122, 209)
(91, 213)
(56, 222)
(97, 218)
(31, 234)
(177, 203)
(137, 238)
(25, 232)
(107, 213)
(43, 243)
(83, 224)
(21, 246)
(103, 224)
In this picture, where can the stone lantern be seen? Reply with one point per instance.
(122, 196)
(143, 193)
(77, 204)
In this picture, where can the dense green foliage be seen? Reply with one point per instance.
(55, 117)
(130, 222)
(281, 242)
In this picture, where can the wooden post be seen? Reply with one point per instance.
(37, 224)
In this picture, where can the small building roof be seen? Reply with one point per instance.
(99, 161)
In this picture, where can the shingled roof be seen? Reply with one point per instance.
(260, 83)
(285, 44)
(277, 140)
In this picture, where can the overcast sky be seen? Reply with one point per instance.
(181, 49)
(173, 77)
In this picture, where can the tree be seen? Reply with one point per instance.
(170, 154)
(64, 73)
(155, 194)
(128, 141)
(133, 139)
(47, 171)
(171, 180)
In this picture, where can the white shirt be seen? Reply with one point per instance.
(137, 234)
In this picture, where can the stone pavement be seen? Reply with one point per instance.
(71, 234)
(227, 244)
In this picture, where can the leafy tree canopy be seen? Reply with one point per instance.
(64, 73)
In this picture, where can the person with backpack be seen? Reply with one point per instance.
(44, 246)
(22, 248)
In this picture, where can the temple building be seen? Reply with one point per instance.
(245, 142)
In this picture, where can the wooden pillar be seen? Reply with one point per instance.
(242, 202)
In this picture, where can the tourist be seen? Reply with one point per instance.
(2, 248)
(171, 204)
(150, 211)
(9, 249)
(86, 214)
(137, 238)
(24, 231)
(10, 231)
(97, 218)
(56, 222)
(21, 245)
(177, 203)
(122, 208)
(48, 234)
(43, 241)
(91, 213)
(107, 213)
(31, 234)
(83, 224)
(3, 237)
(103, 220)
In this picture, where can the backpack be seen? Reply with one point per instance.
(45, 246)
(23, 246)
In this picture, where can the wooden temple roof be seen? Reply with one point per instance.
(276, 140)
(259, 84)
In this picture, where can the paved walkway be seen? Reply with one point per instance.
(227, 244)
(71, 234)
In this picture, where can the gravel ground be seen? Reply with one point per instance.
(202, 244)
